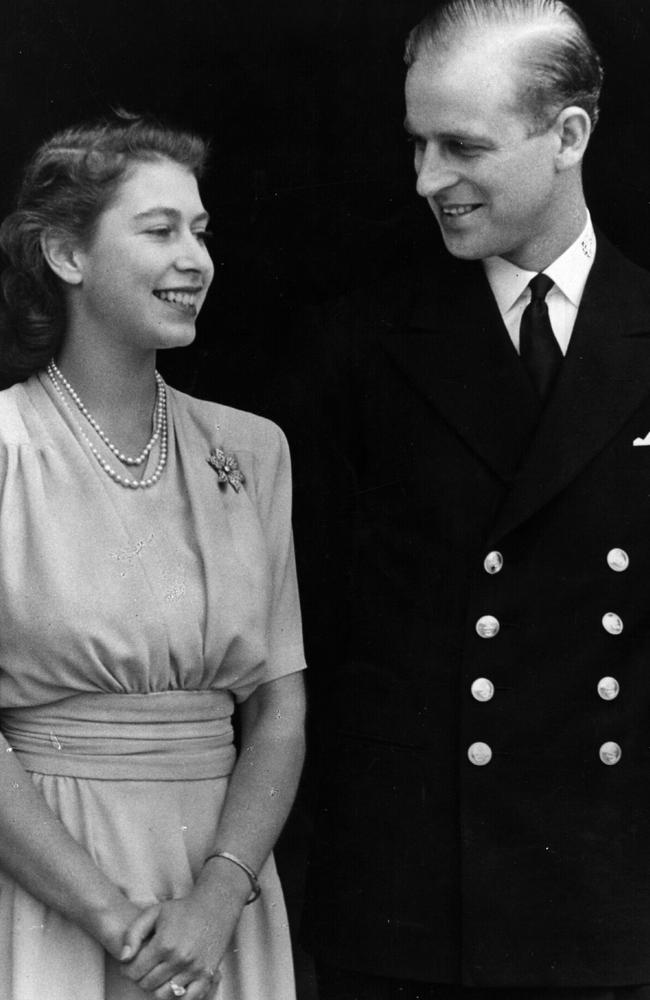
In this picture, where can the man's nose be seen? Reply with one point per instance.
(433, 174)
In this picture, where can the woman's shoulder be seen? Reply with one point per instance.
(227, 427)
(12, 408)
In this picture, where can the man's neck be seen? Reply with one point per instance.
(540, 254)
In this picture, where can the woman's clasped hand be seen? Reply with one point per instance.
(178, 944)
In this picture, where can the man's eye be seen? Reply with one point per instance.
(416, 141)
(460, 148)
(161, 231)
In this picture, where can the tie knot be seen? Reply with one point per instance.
(540, 286)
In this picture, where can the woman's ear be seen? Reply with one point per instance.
(63, 257)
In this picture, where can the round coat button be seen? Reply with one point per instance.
(493, 563)
(612, 623)
(483, 689)
(479, 754)
(610, 753)
(487, 626)
(608, 688)
(618, 560)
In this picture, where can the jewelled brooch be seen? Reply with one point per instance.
(227, 469)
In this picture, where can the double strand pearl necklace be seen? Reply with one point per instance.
(59, 382)
(125, 459)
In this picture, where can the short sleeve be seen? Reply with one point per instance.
(285, 652)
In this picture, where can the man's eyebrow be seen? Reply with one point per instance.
(169, 213)
(459, 136)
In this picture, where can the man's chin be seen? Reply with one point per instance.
(463, 249)
(463, 245)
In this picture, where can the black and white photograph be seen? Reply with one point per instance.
(325, 500)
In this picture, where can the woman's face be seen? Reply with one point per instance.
(146, 271)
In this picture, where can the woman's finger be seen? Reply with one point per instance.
(138, 932)
(171, 989)
(156, 979)
(203, 988)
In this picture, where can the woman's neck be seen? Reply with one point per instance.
(119, 391)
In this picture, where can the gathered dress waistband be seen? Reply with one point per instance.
(163, 736)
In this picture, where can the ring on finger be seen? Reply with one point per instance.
(177, 991)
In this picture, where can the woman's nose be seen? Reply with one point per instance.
(193, 256)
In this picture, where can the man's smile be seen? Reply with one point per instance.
(453, 211)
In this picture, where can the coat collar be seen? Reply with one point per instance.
(604, 378)
(455, 350)
(453, 347)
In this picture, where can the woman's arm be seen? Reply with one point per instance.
(264, 782)
(190, 935)
(37, 850)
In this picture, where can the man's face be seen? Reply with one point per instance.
(491, 185)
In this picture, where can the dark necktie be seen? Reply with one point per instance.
(539, 350)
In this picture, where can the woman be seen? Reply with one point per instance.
(147, 585)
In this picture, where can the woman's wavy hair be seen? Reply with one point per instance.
(71, 179)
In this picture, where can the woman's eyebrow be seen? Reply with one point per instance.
(170, 213)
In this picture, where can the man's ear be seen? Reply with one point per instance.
(63, 256)
(573, 129)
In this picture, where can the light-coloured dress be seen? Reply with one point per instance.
(132, 620)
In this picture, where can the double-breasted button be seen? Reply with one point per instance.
(493, 563)
(608, 688)
(482, 689)
(612, 623)
(487, 626)
(610, 753)
(479, 754)
(618, 560)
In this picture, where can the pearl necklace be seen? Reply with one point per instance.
(158, 415)
(159, 431)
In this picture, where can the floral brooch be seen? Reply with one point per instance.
(227, 469)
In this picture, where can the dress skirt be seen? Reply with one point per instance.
(139, 781)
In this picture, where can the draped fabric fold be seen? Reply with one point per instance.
(170, 736)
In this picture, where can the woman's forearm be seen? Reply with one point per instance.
(264, 782)
(189, 936)
(40, 854)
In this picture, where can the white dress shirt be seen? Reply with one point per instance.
(570, 271)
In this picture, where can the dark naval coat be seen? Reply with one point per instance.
(484, 815)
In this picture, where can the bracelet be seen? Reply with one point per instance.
(256, 890)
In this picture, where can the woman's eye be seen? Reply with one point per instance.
(203, 235)
(160, 231)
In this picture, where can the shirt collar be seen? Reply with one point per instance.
(569, 272)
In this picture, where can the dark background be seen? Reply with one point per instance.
(311, 188)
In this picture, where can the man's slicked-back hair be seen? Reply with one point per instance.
(559, 65)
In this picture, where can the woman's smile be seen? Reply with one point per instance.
(150, 241)
(184, 301)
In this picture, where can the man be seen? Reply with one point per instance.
(484, 827)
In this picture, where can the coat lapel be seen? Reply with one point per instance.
(456, 351)
(604, 378)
